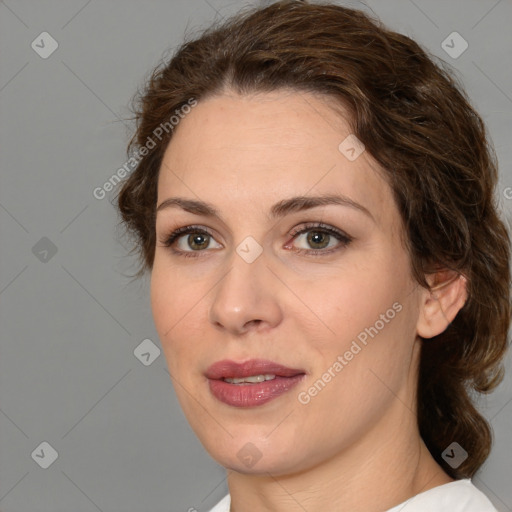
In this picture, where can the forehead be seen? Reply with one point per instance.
(237, 151)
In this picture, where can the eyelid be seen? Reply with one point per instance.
(310, 226)
(343, 238)
(168, 239)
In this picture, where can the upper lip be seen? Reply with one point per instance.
(231, 369)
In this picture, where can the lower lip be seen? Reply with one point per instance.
(250, 395)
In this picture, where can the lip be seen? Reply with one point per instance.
(231, 369)
(254, 394)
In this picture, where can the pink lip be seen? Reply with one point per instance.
(226, 368)
(249, 395)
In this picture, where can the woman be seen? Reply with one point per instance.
(314, 200)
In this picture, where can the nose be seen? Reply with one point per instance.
(246, 297)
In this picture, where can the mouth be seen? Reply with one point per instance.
(252, 383)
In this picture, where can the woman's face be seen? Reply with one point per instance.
(337, 308)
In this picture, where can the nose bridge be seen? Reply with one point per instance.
(245, 294)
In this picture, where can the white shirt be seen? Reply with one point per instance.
(457, 496)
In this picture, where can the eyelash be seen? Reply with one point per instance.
(343, 238)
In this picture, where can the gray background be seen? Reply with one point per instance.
(71, 321)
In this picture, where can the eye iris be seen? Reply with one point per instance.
(314, 236)
(193, 239)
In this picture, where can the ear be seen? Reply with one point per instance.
(440, 304)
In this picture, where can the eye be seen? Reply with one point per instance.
(321, 237)
(198, 239)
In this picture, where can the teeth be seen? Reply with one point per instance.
(252, 379)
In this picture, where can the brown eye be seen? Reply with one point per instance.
(318, 239)
(321, 239)
(198, 241)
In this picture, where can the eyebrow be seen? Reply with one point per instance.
(279, 209)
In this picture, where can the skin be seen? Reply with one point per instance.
(355, 445)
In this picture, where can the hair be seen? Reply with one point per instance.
(417, 122)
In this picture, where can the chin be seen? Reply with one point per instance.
(257, 453)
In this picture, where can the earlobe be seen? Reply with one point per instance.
(441, 303)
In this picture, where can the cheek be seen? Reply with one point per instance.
(172, 304)
(161, 301)
(353, 383)
(354, 301)
(172, 297)
(368, 319)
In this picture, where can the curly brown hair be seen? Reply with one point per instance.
(416, 120)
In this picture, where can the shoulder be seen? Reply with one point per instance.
(223, 505)
(457, 496)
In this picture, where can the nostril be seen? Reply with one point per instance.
(250, 322)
